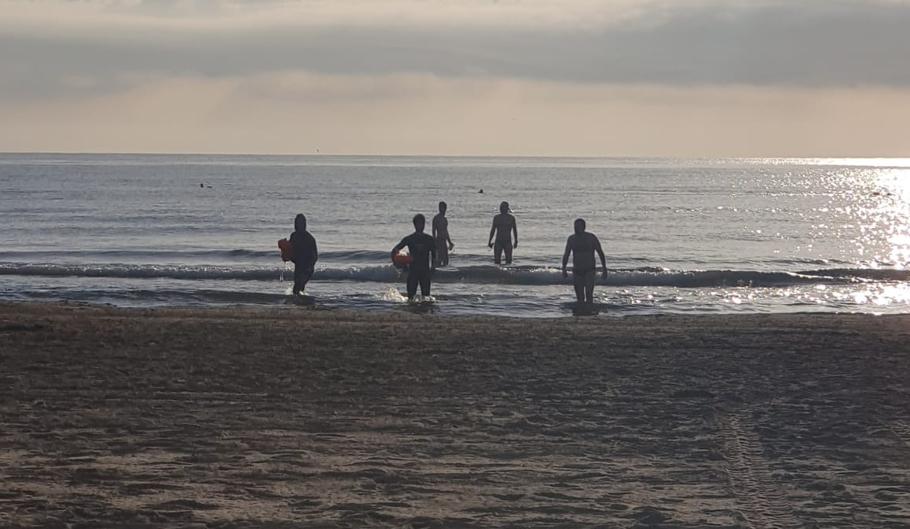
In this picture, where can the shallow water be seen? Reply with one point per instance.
(749, 235)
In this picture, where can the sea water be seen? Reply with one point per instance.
(721, 235)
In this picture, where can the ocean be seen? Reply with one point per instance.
(681, 236)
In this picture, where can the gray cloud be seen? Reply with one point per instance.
(834, 43)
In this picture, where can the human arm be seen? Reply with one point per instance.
(433, 257)
(435, 222)
(492, 233)
(398, 248)
(565, 257)
(515, 231)
(291, 251)
(600, 252)
(315, 252)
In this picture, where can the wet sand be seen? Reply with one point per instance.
(296, 417)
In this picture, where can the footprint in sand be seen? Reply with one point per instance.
(760, 500)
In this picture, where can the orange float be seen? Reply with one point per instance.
(402, 260)
(287, 249)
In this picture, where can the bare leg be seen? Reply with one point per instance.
(579, 284)
(590, 278)
(579, 292)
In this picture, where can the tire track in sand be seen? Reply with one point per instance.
(760, 500)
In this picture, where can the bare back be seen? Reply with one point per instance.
(441, 227)
(504, 223)
(583, 245)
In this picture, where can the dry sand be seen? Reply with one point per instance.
(292, 417)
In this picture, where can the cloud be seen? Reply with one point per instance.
(833, 43)
(582, 77)
(421, 114)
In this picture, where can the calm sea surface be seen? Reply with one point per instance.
(745, 235)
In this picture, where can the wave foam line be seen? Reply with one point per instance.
(274, 255)
(472, 274)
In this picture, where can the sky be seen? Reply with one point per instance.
(677, 78)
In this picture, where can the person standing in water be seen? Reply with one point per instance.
(303, 253)
(420, 246)
(503, 227)
(441, 236)
(584, 268)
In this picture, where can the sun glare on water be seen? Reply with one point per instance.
(894, 208)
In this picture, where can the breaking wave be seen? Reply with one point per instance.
(482, 274)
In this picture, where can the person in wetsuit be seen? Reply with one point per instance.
(420, 246)
(503, 227)
(584, 268)
(441, 236)
(303, 253)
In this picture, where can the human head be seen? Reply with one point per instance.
(419, 222)
(443, 207)
(580, 225)
(504, 207)
(300, 222)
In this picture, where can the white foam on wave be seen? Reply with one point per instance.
(482, 274)
(393, 295)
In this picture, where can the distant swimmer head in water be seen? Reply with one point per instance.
(419, 222)
(300, 222)
(481, 191)
(504, 207)
(443, 207)
(580, 226)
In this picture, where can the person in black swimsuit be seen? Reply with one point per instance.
(421, 247)
(304, 254)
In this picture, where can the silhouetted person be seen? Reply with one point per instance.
(420, 246)
(441, 236)
(584, 269)
(503, 227)
(303, 253)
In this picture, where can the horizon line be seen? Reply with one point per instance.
(542, 156)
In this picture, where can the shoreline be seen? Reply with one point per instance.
(560, 311)
(275, 417)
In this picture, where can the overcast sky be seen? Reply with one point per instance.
(535, 77)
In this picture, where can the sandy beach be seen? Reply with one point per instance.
(296, 417)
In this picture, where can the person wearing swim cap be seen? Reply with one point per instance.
(441, 236)
(420, 247)
(304, 254)
(582, 246)
(504, 226)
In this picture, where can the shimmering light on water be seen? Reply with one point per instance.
(680, 235)
(894, 209)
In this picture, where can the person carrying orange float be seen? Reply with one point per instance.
(301, 249)
(421, 267)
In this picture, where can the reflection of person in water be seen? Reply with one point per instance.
(420, 246)
(503, 227)
(303, 253)
(582, 246)
(441, 236)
